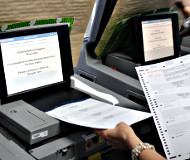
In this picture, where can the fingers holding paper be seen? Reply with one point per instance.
(120, 137)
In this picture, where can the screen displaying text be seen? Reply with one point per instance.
(157, 39)
(31, 61)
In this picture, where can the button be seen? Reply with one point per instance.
(89, 144)
(101, 139)
(95, 139)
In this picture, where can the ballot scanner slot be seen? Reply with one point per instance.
(137, 98)
(87, 76)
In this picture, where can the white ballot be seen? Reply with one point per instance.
(167, 88)
(96, 114)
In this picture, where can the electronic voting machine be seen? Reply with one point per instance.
(146, 38)
(36, 75)
(36, 69)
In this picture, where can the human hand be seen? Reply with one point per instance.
(121, 137)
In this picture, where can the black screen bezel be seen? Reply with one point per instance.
(140, 43)
(65, 54)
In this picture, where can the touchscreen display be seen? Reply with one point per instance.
(157, 39)
(31, 61)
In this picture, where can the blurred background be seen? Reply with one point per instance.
(12, 11)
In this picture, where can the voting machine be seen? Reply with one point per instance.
(128, 47)
(35, 80)
(36, 76)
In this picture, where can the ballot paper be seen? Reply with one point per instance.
(96, 114)
(167, 88)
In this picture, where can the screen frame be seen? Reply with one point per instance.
(139, 33)
(65, 54)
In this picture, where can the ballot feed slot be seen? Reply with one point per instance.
(87, 76)
(137, 98)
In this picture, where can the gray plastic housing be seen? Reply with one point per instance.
(27, 122)
(185, 45)
(11, 151)
(73, 146)
(94, 70)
